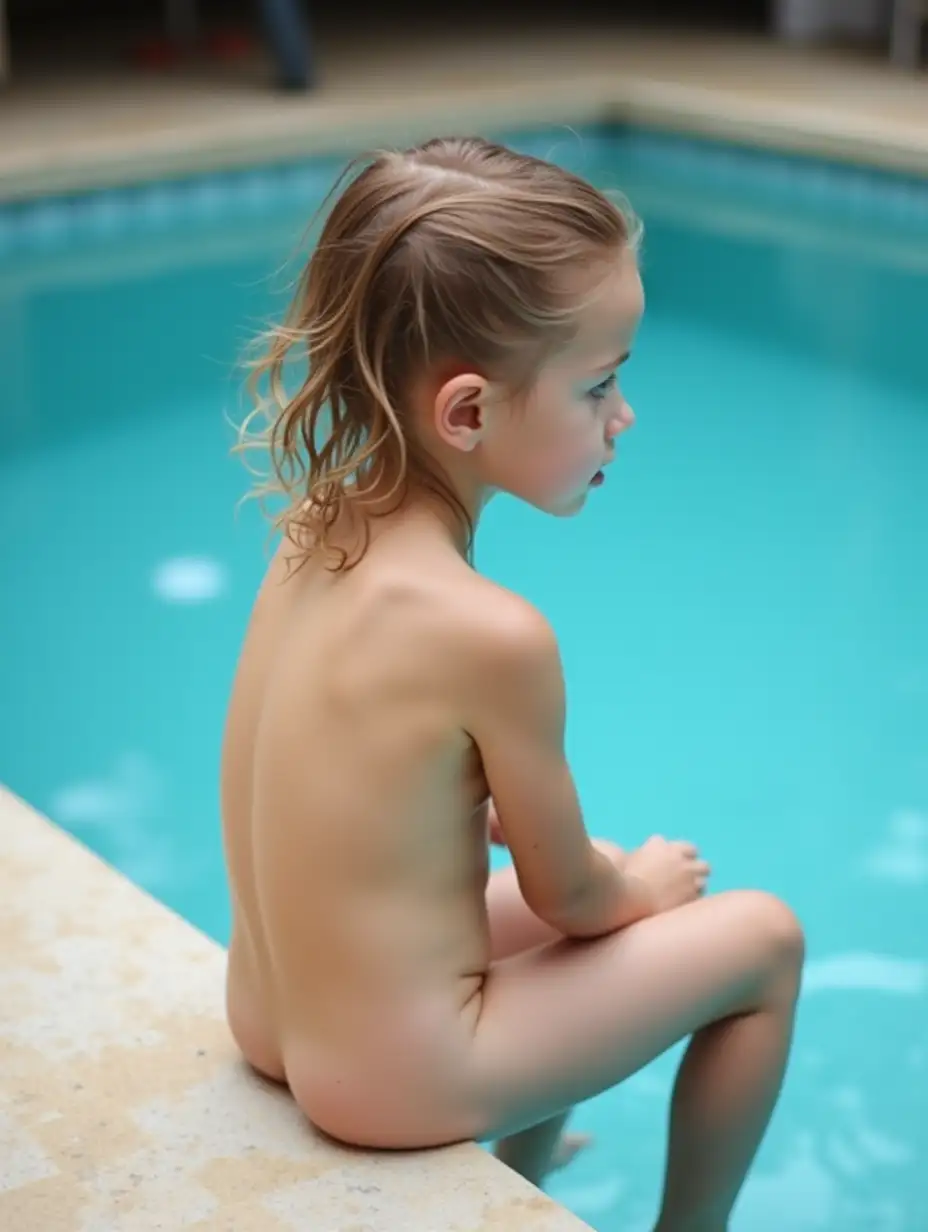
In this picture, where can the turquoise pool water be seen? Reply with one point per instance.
(743, 608)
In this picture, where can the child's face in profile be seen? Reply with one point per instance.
(552, 452)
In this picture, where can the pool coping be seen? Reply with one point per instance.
(124, 1104)
(306, 128)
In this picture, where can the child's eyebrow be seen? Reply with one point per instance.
(616, 363)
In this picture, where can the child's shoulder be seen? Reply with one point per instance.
(501, 628)
(506, 652)
(451, 613)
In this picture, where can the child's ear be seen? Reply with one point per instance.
(461, 412)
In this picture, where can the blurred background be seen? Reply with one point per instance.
(39, 35)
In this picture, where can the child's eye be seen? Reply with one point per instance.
(599, 392)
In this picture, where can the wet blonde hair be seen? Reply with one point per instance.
(455, 251)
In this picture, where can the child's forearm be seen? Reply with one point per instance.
(611, 900)
(635, 901)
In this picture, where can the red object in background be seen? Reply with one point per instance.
(160, 54)
(157, 53)
(228, 44)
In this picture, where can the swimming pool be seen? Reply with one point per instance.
(742, 608)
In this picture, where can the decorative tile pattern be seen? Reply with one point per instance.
(102, 216)
(855, 193)
(843, 191)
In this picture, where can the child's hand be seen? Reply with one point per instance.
(612, 851)
(673, 872)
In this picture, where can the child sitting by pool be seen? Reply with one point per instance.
(463, 316)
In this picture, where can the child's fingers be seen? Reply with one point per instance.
(687, 849)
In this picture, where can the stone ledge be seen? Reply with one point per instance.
(62, 134)
(124, 1105)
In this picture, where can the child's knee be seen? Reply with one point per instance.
(780, 942)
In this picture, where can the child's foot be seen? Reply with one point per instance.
(567, 1149)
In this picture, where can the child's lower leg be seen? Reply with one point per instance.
(723, 1099)
(531, 1152)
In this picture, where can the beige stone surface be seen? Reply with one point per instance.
(124, 1106)
(61, 128)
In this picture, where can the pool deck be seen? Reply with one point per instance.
(61, 129)
(123, 1104)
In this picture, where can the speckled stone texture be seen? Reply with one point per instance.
(124, 1106)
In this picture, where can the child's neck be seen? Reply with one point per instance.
(425, 504)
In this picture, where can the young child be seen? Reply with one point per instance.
(458, 330)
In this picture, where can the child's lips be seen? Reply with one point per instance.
(598, 479)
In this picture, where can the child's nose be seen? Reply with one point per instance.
(620, 422)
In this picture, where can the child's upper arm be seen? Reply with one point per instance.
(519, 728)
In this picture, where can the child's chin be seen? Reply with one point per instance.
(561, 505)
(570, 507)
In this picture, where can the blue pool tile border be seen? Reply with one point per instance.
(851, 191)
(845, 191)
(103, 215)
